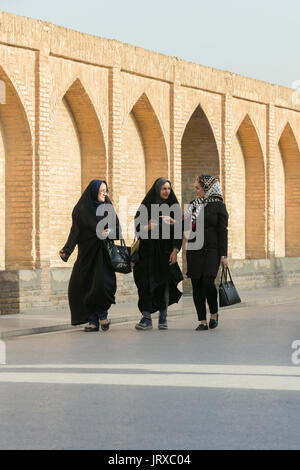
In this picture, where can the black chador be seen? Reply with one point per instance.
(153, 272)
(92, 285)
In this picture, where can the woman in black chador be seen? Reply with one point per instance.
(157, 273)
(92, 285)
(203, 264)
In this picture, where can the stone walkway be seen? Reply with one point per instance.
(41, 322)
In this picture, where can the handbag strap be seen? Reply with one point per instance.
(225, 271)
(229, 273)
(223, 275)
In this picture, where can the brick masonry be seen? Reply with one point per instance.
(80, 107)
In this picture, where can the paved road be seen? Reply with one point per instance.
(231, 388)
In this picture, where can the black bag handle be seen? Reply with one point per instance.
(225, 271)
(112, 240)
(229, 273)
(224, 275)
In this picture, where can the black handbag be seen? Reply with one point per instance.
(119, 256)
(228, 295)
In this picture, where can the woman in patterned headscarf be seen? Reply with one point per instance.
(203, 263)
(92, 283)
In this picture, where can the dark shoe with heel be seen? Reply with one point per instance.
(105, 326)
(214, 323)
(202, 327)
(89, 329)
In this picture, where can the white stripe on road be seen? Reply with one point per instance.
(180, 368)
(199, 376)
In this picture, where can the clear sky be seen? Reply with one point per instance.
(257, 38)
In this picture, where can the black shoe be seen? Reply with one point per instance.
(89, 329)
(202, 327)
(105, 326)
(214, 323)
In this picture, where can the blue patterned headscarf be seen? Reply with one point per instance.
(95, 185)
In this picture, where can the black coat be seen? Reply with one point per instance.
(92, 284)
(206, 261)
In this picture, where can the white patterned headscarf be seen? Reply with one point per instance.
(213, 193)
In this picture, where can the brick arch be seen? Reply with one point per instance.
(156, 155)
(187, 115)
(20, 87)
(249, 190)
(146, 96)
(144, 154)
(93, 152)
(287, 124)
(199, 152)
(16, 182)
(290, 154)
(78, 155)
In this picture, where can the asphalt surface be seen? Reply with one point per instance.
(235, 387)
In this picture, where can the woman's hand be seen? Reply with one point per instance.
(167, 220)
(224, 262)
(62, 254)
(150, 225)
(173, 256)
(105, 233)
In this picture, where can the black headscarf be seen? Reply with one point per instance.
(153, 196)
(84, 212)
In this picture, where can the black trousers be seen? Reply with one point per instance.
(205, 289)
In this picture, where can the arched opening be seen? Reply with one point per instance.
(144, 153)
(249, 194)
(290, 199)
(199, 153)
(78, 155)
(16, 182)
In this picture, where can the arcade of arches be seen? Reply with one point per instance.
(130, 116)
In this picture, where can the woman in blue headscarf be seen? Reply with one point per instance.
(92, 285)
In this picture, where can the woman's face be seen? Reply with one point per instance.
(199, 191)
(102, 192)
(165, 191)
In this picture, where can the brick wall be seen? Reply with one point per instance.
(80, 107)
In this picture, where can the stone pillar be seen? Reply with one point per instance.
(176, 131)
(226, 162)
(270, 180)
(115, 133)
(270, 191)
(175, 139)
(37, 284)
(42, 163)
(175, 151)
